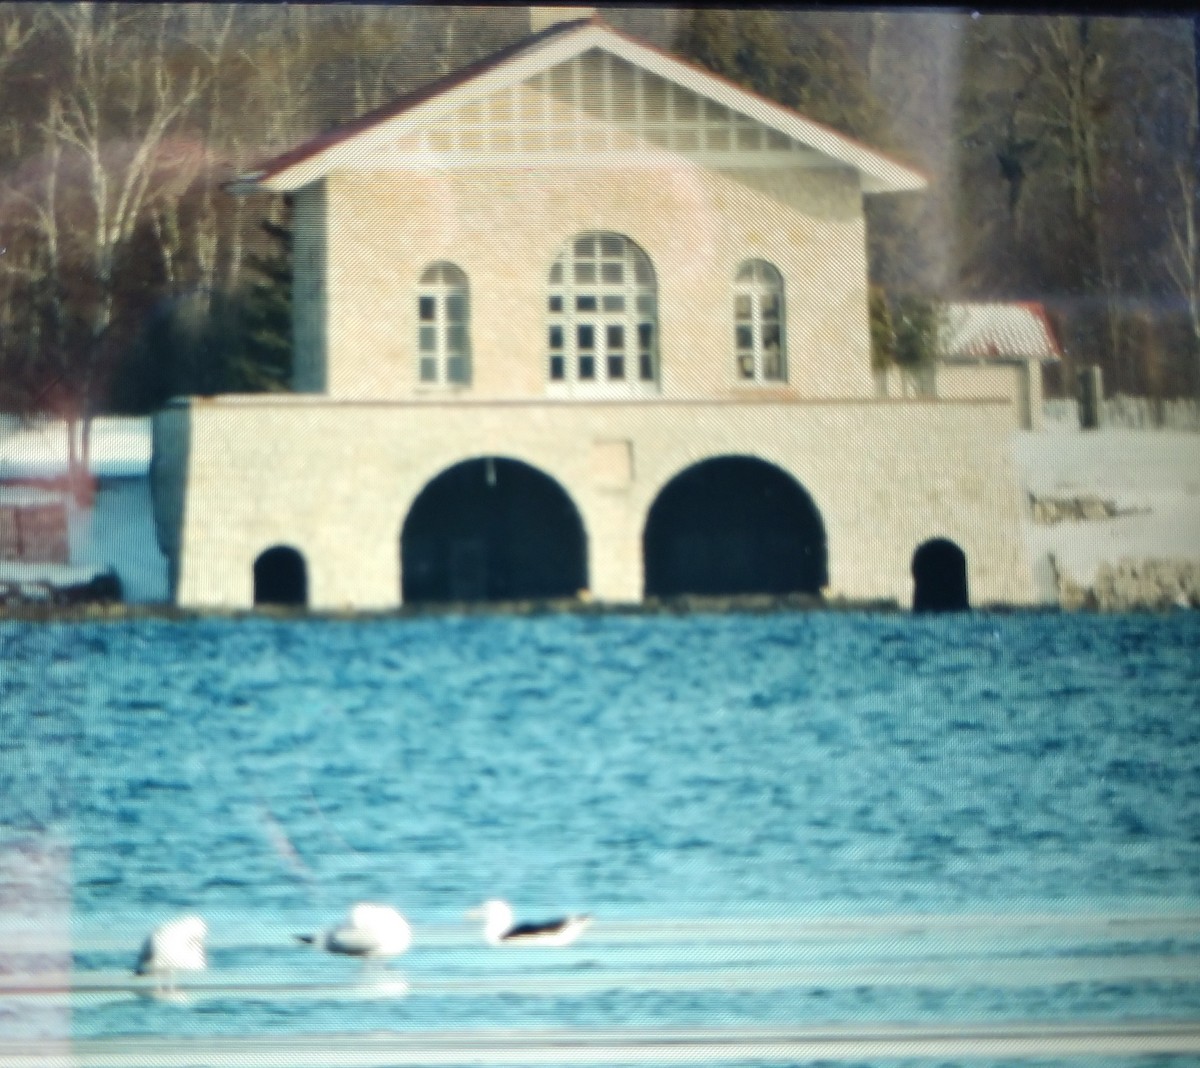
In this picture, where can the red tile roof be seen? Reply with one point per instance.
(996, 331)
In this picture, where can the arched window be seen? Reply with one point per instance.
(758, 323)
(602, 328)
(443, 337)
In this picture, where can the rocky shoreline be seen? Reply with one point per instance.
(1130, 585)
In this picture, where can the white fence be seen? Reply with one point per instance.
(1121, 412)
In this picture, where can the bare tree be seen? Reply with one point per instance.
(125, 94)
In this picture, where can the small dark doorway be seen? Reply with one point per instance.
(280, 577)
(734, 525)
(939, 570)
(492, 530)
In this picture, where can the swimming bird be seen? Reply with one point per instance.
(368, 931)
(499, 929)
(177, 946)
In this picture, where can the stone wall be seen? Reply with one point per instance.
(374, 234)
(336, 480)
(1131, 584)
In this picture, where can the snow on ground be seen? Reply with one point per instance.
(1153, 478)
(120, 448)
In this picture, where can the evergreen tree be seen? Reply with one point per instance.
(264, 362)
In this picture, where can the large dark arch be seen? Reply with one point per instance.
(492, 530)
(939, 570)
(280, 577)
(734, 525)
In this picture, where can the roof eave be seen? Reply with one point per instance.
(879, 173)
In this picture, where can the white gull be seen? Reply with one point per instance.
(177, 946)
(368, 931)
(499, 928)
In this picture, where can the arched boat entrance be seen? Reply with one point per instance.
(734, 525)
(939, 570)
(492, 529)
(280, 577)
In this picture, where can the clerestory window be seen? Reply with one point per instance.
(443, 326)
(758, 333)
(602, 322)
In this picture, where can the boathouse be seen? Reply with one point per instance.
(581, 319)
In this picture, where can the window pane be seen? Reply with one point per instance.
(770, 306)
(612, 245)
(456, 369)
(718, 139)
(585, 303)
(741, 306)
(428, 369)
(556, 368)
(645, 275)
(616, 367)
(428, 339)
(748, 137)
(614, 336)
(585, 246)
(744, 337)
(456, 307)
(746, 366)
(613, 302)
(646, 367)
(585, 273)
(456, 337)
(556, 304)
(556, 273)
(645, 304)
(587, 367)
(685, 105)
(427, 309)
(772, 364)
(771, 336)
(585, 336)
(612, 273)
(645, 335)
(556, 337)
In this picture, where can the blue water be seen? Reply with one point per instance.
(781, 819)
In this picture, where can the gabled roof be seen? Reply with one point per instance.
(997, 331)
(328, 152)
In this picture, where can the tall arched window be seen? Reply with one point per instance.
(443, 334)
(758, 323)
(602, 327)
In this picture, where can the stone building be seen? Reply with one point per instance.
(581, 319)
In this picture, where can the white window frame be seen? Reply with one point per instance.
(602, 319)
(759, 324)
(443, 340)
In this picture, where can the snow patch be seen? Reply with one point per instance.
(120, 448)
(1153, 479)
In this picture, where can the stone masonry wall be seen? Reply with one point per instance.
(336, 481)
(505, 228)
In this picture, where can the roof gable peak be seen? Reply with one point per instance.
(537, 54)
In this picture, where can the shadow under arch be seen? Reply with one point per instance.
(734, 525)
(492, 529)
(280, 577)
(939, 571)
